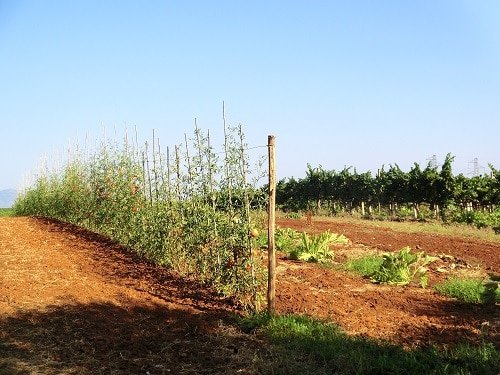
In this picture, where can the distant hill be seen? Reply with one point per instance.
(7, 198)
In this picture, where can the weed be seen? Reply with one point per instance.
(286, 239)
(365, 266)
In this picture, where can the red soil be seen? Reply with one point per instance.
(74, 302)
(406, 315)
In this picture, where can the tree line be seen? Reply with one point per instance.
(434, 188)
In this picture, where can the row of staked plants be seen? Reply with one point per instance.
(189, 207)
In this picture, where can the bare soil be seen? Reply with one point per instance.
(410, 315)
(73, 302)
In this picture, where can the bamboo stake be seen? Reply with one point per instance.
(162, 169)
(144, 173)
(168, 177)
(247, 213)
(155, 172)
(178, 172)
(188, 160)
(212, 195)
(149, 175)
(227, 162)
(200, 158)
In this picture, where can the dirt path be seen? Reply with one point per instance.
(71, 302)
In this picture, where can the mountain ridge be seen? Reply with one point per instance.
(7, 198)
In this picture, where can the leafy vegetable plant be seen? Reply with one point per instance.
(402, 268)
(316, 248)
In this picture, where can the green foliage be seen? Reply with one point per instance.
(315, 247)
(188, 208)
(471, 290)
(402, 268)
(365, 266)
(308, 346)
(480, 219)
(421, 193)
(286, 239)
(6, 212)
(293, 215)
(301, 246)
(305, 247)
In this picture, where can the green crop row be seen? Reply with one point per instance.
(188, 208)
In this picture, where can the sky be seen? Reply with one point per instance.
(339, 83)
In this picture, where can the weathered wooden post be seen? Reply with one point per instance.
(271, 253)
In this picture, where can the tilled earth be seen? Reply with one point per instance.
(73, 302)
(407, 315)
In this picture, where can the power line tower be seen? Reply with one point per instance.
(432, 161)
(476, 168)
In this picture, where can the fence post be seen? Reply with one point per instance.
(271, 253)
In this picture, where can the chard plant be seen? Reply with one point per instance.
(316, 248)
(403, 267)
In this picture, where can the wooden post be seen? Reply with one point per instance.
(271, 252)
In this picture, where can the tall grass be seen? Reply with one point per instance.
(187, 207)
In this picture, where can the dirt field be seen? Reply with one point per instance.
(406, 315)
(73, 302)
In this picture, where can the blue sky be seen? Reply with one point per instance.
(356, 83)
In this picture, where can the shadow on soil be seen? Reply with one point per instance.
(457, 322)
(103, 338)
(125, 267)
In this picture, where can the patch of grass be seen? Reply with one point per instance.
(306, 346)
(364, 266)
(6, 212)
(293, 215)
(471, 290)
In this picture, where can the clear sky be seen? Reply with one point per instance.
(360, 83)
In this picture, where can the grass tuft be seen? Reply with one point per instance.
(470, 290)
(364, 266)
